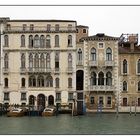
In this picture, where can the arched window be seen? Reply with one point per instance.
(6, 82)
(124, 86)
(48, 60)
(23, 60)
(40, 81)
(138, 66)
(80, 55)
(32, 81)
(23, 82)
(48, 41)
(6, 62)
(31, 41)
(36, 41)
(139, 86)
(6, 40)
(69, 60)
(93, 78)
(93, 54)
(30, 61)
(69, 82)
(22, 40)
(109, 79)
(56, 41)
(69, 40)
(57, 82)
(84, 30)
(108, 54)
(101, 78)
(57, 60)
(36, 61)
(42, 61)
(49, 81)
(124, 66)
(42, 41)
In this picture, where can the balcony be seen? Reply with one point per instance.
(109, 63)
(39, 70)
(70, 70)
(93, 63)
(101, 88)
(5, 70)
(58, 100)
(79, 63)
(57, 70)
(15, 29)
(23, 70)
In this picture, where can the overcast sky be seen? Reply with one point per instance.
(111, 20)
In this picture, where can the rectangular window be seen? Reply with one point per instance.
(80, 96)
(70, 96)
(8, 27)
(101, 101)
(23, 96)
(31, 27)
(48, 27)
(58, 96)
(57, 27)
(69, 27)
(109, 100)
(24, 27)
(92, 100)
(6, 96)
(56, 64)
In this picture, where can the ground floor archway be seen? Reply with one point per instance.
(41, 101)
(50, 100)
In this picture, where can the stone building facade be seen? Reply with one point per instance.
(38, 64)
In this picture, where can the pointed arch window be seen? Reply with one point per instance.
(109, 78)
(40, 81)
(6, 82)
(124, 86)
(57, 60)
(36, 61)
(42, 41)
(42, 61)
(80, 55)
(124, 66)
(49, 81)
(6, 41)
(31, 41)
(69, 60)
(69, 82)
(108, 54)
(30, 61)
(48, 41)
(23, 82)
(32, 81)
(101, 78)
(56, 40)
(69, 40)
(6, 61)
(23, 61)
(57, 82)
(93, 54)
(36, 41)
(22, 40)
(138, 66)
(48, 60)
(93, 78)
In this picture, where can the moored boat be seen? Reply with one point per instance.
(16, 112)
(48, 112)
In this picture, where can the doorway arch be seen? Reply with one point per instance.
(31, 100)
(50, 100)
(41, 101)
(79, 79)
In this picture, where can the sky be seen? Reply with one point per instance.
(111, 20)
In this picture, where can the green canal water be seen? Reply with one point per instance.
(65, 124)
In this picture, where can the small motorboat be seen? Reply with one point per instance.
(48, 112)
(16, 112)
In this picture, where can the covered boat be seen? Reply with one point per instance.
(49, 112)
(16, 112)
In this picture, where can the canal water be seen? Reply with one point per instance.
(65, 124)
